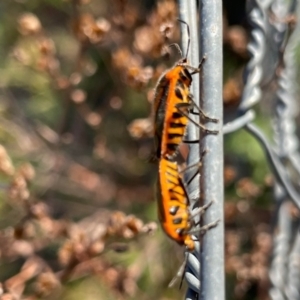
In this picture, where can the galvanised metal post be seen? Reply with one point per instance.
(212, 178)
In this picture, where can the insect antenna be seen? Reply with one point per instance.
(177, 47)
(189, 41)
(189, 37)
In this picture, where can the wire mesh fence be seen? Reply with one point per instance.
(273, 42)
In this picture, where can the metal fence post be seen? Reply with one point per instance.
(212, 186)
(188, 12)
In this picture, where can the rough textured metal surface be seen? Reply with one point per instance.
(275, 164)
(281, 248)
(257, 46)
(239, 123)
(212, 188)
(286, 109)
(292, 289)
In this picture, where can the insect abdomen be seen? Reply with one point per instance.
(172, 202)
(176, 123)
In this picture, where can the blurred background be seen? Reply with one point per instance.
(77, 209)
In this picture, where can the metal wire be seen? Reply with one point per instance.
(239, 123)
(287, 142)
(253, 92)
(188, 13)
(281, 248)
(282, 287)
(253, 72)
(293, 285)
(192, 274)
(286, 109)
(289, 94)
(277, 168)
(282, 232)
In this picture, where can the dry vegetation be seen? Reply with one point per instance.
(78, 220)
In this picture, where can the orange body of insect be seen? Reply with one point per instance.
(173, 210)
(172, 104)
(172, 98)
(171, 107)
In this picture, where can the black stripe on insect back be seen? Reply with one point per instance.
(178, 93)
(177, 221)
(180, 84)
(185, 75)
(171, 182)
(175, 192)
(172, 147)
(172, 167)
(171, 175)
(178, 200)
(174, 199)
(172, 136)
(177, 125)
(176, 115)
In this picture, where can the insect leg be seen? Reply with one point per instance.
(180, 107)
(190, 141)
(201, 209)
(198, 164)
(197, 70)
(205, 228)
(201, 112)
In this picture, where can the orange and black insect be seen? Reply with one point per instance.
(173, 208)
(173, 205)
(172, 104)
